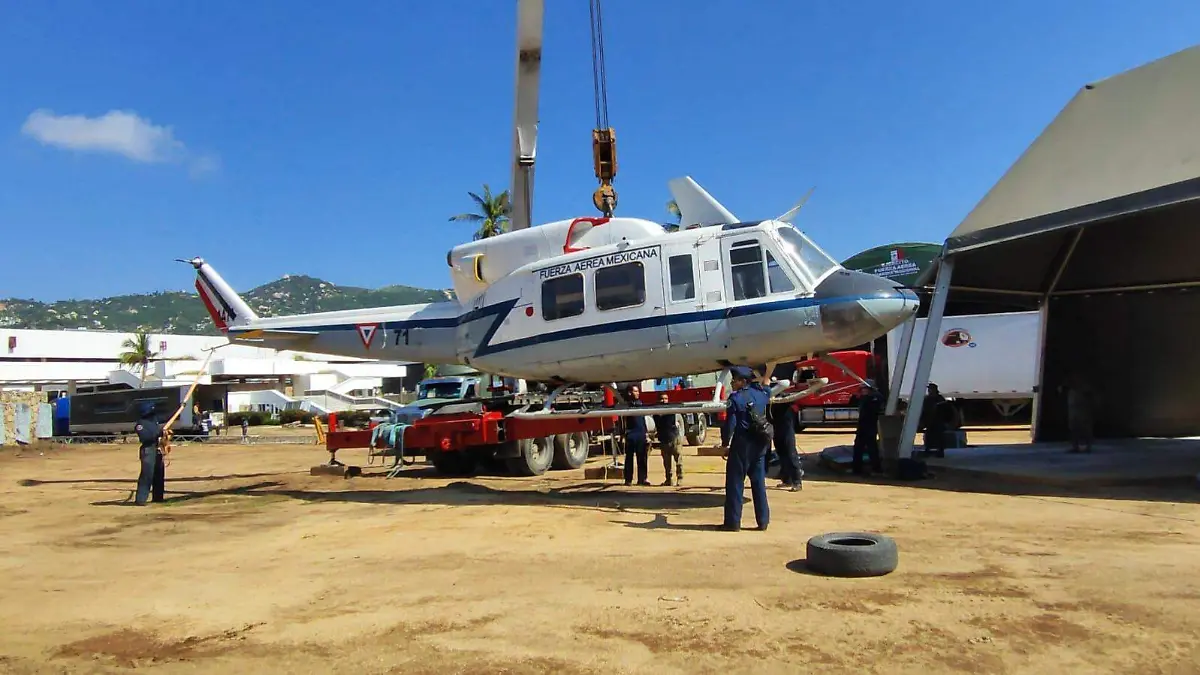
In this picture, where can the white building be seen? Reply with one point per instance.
(67, 361)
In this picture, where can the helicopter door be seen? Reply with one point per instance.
(627, 307)
(685, 298)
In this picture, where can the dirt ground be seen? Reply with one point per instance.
(253, 566)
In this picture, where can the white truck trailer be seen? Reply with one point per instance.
(978, 356)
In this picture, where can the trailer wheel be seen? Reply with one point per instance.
(535, 455)
(453, 463)
(697, 437)
(570, 450)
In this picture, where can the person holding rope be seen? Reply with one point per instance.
(152, 478)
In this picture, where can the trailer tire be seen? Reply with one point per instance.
(458, 463)
(535, 456)
(570, 450)
(697, 437)
(852, 554)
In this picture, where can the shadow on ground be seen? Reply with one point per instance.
(1178, 491)
(462, 493)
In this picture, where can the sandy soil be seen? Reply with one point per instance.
(253, 566)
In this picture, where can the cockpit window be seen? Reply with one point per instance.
(780, 283)
(804, 251)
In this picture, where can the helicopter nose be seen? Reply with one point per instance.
(857, 307)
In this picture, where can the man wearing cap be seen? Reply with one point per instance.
(866, 435)
(744, 451)
(152, 477)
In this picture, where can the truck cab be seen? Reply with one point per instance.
(435, 391)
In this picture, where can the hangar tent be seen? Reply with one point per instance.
(900, 262)
(1098, 223)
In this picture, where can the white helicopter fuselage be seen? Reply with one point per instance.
(602, 300)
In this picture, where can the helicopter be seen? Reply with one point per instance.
(597, 300)
(600, 300)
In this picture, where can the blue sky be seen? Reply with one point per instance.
(335, 140)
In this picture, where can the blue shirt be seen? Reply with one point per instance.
(737, 416)
(635, 427)
(148, 431)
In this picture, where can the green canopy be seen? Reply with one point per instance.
(902, 262)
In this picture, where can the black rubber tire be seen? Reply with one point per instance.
(570, 450)
(536, 456)
(698, 437)
(458, 463)
(852, 554)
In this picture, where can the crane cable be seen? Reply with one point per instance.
(604, 139)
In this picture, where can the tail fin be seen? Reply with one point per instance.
(697, 207)
(227, 309)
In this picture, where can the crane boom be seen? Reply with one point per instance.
(529, 70)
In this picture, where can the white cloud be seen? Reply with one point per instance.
(117, 131)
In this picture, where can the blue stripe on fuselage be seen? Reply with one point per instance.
(501, 310)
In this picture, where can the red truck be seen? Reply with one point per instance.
(831, 406)
(459, 435)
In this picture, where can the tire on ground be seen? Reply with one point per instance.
(852, 554)
(459, 463)
(570, 450)
(701, 426)
(535, 456)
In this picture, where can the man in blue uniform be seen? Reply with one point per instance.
(152, 477)
(745, 449)
(866, 434)
(635, 441)
(783, 419)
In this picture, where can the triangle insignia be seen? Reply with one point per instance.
(366, 331)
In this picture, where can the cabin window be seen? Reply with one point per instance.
(683, 280)
(746, 267)
(620, 286)
(780, 283)
(562, 297)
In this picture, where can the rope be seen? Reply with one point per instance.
(395, 441)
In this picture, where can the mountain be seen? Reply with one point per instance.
(177, 312)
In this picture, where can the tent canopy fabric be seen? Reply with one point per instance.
(1123, 146)
(901, 262)
(1097, 222)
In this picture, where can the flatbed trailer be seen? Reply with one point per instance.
(458, 436)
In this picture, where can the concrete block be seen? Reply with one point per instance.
(709, 451)
(345, 471)
(603, 472)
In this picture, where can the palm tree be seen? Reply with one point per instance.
(138, 354)
(492, 215)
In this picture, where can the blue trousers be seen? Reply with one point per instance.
(746, 460)
(152, 477)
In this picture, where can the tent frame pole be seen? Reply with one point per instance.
(1035, 421)
(933, 328)
(897, 378)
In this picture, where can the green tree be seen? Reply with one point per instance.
(137, 354)
(493, 214)
(430, 370)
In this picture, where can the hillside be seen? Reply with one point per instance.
(175, 312)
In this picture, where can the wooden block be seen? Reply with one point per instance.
(603, 471)
(709, 451)
(346, 471)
